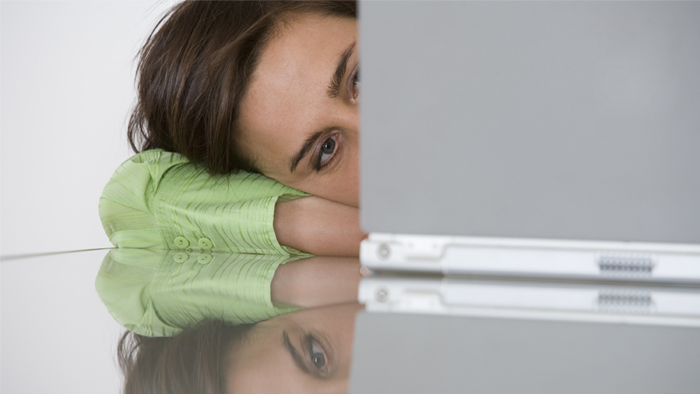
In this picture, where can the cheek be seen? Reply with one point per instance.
(347, 182)
(352, 193)
(353, 182)
(339, 187)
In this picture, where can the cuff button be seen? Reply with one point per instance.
(181, 242)
(205, 243)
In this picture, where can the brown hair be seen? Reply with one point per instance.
(193, 72)
(192, 362)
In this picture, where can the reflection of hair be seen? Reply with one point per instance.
(194, 361)
(193, 72)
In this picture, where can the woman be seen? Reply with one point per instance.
(262, 87)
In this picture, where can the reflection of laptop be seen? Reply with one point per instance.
(404, 353)
(501, 335)
(532, 299)
(548, 153)
(557, 139)
(478, 335)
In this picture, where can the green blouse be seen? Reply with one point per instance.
(158, 200)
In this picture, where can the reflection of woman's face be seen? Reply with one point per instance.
(299, 117)
(302, 352)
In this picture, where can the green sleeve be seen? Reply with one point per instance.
(159, 293)
(158, 200)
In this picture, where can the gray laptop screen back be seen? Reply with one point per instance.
(565, 120)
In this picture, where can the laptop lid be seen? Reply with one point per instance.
(537, 120)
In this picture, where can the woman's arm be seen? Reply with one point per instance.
(319, 226)
(317, 281)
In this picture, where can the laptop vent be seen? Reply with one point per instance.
(625, 301)
(626, 266)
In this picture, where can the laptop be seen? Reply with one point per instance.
(537, 139)
(530, 185)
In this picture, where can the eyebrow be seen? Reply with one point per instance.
(334, 85)
(298, 360)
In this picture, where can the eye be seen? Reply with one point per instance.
(327, 152)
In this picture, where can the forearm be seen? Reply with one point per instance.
(318, 226)
(317, 281)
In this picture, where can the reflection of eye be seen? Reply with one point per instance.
(326, 152)
(317, 356)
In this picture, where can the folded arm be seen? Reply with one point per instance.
(319, 226)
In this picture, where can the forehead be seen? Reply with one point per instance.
(303, 47)
(287, 93)
(253, 366)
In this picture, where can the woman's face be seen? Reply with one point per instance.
(303, 352)
(299, 117)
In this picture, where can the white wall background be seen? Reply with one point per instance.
(67, 75)
(66, 87)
